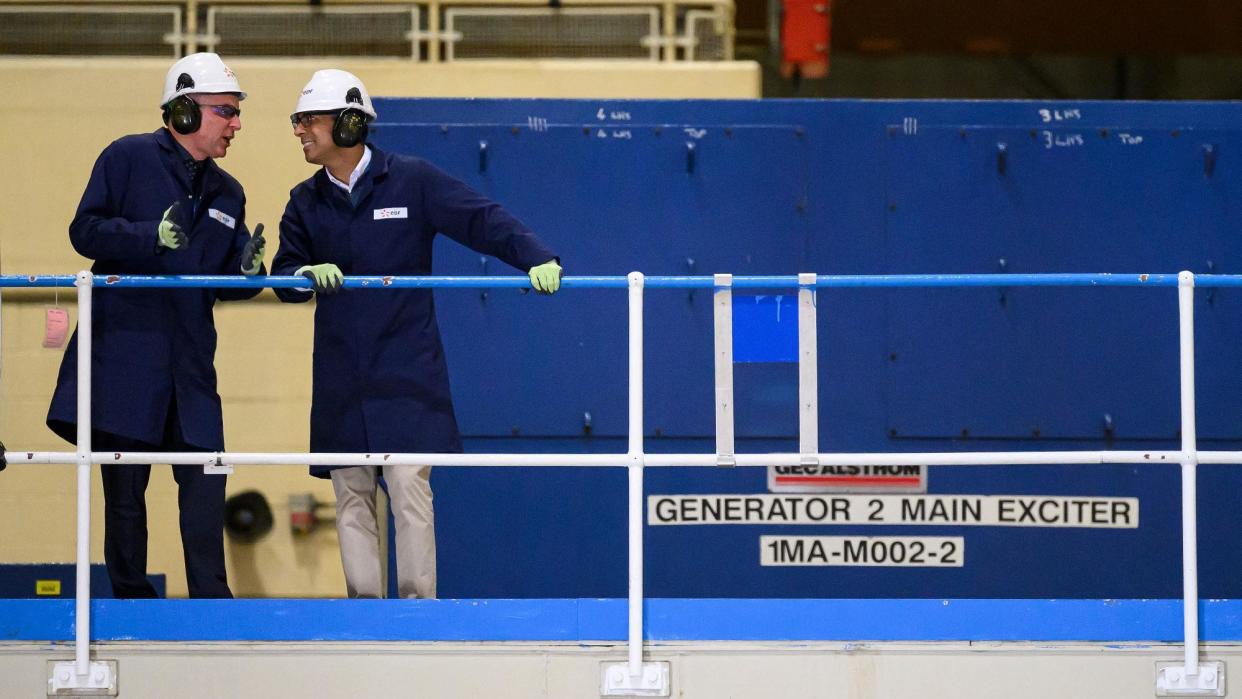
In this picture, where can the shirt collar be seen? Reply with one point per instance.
(194, 168)
(355, 175)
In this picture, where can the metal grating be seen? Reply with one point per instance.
(75, 30)
(356, 30)
(579, 32)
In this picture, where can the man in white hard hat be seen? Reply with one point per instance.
(380, 379)
(157, 203)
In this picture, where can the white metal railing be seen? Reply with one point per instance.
(481, 32)
(676, 34)
(635, 459)
(268, 27)
(694, 38)
(675, 30)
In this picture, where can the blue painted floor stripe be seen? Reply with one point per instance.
(605, 620)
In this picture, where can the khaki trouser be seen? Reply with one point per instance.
(409, 491)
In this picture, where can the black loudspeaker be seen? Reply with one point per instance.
(350, 127)
(247, 516)
(182, 113)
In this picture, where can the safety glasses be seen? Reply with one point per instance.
(224, 111)
(308, 118)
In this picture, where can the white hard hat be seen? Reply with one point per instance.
(333, 90)
(199, 73)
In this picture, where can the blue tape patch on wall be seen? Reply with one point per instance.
(765, 328)
(1148, 620)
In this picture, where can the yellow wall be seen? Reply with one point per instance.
(59, 114)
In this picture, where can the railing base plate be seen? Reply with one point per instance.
(615, 680)
(1172, 680)
(63, 679)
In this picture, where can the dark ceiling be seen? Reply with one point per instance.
(1023, 26)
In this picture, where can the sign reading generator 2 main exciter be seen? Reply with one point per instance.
(888, 551)
(954, 510)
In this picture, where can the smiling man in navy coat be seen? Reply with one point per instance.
(380, 379)
(157, 203)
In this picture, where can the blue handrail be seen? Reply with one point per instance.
(618, 282)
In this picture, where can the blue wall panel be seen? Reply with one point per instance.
(636, 198)
(1057, 200)
(841, 187)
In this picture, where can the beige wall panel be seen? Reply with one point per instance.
(704, 670)
(62, 113)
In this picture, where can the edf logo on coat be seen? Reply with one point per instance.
(384, 214)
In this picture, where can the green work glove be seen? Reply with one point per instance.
(327, 277)
(170, 234)
(252, 254)
(546, 278)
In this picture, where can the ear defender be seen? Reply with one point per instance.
(183, 113)
(350, 127)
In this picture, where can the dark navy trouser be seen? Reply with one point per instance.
(200, 498)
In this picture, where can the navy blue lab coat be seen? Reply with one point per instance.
(380, 378)
(151, 345)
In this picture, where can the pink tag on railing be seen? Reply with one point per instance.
(55, 328)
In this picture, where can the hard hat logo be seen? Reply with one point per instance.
(228, 71)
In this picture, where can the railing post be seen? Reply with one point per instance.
(433, 32)
(1190, 557)
(82, 606)
(1189, 679)
(636, 474)
(635, 678)
(669, 31)
(70, 678)
(191, 27)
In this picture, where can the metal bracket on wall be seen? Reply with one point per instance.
(483, 272)
(1002, 266)
(691, 150)
(1002, 158)
(808, 372)
(1211, 294)
(722, 312)
(482, 156)
(1209, 159)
